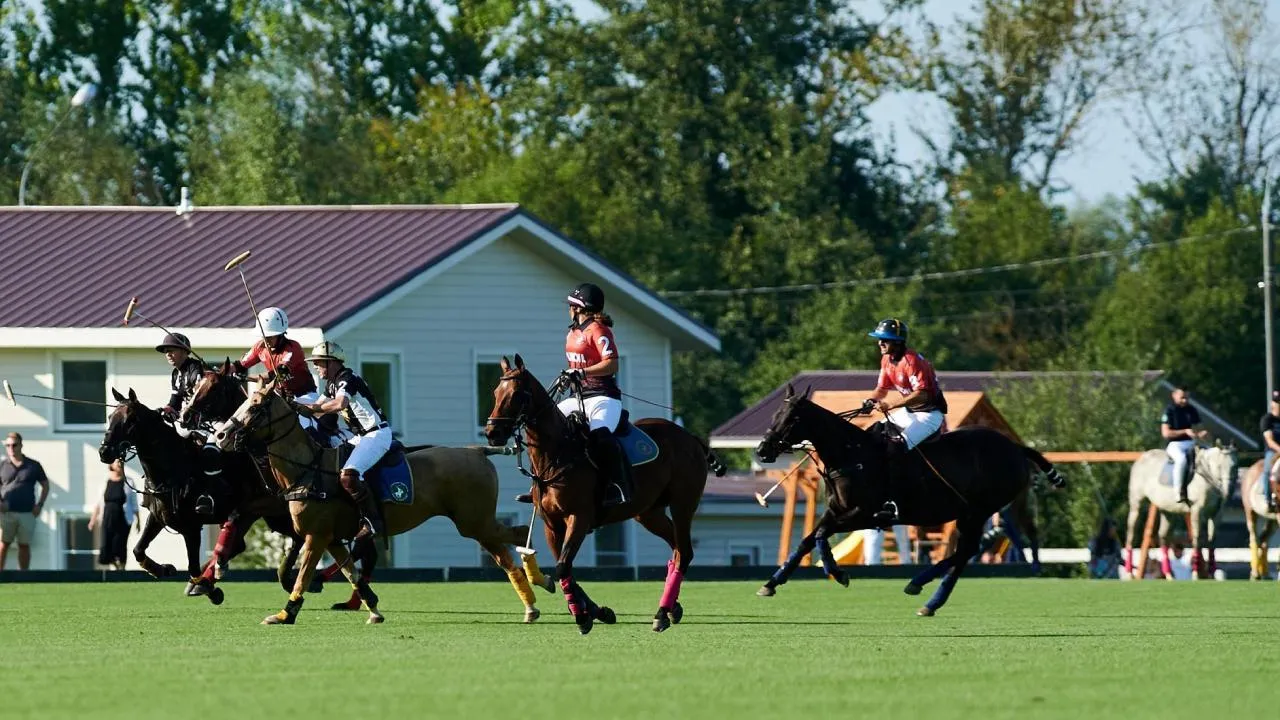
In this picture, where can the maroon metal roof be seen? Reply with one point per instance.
(754, 421)
(78, 267)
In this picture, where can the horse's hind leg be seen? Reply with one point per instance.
(970, 535)
(229, 544)
(1166, 565)
(655, 520)
(1135, 507)
(346, 562)
(669, 608)
(516, 575)
(1024, 519)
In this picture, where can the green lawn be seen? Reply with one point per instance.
(1000, 649)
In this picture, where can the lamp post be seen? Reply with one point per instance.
(82, 97)
(1267, 282)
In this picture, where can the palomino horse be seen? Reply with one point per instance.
(459, 483)
(214, 399)
(169, 462)
(1253, 496)
(1150, 478)
(568, 494)
(964, 475)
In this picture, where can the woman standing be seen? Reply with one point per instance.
(115, 512)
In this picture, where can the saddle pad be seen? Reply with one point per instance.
(392, 483)
(1166, 474)
(636, 443)
(1260, 492)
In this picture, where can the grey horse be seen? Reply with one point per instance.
(1149, 478)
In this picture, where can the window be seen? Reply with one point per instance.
(508, 519)
(79, 550)
(84, 380)
(381, 371)
(611, 545)
(744, 555)
(488, 373)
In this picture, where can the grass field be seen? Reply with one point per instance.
(1000, 649)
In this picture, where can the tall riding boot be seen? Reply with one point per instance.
(608, 458)
(1183, 482)
(895, 450)
(371, 517)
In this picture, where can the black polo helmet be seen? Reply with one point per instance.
(587, 296)
(891, 329)
(174, 340)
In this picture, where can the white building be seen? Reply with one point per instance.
(425, 299)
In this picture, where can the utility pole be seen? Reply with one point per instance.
(1266, 283)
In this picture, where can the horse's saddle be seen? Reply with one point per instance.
(637, 447)
(390, 479)
(1166, 472)
(636, 444)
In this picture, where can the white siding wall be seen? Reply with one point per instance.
(70, 459)
(501, 300)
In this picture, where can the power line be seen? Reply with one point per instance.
(946, 274)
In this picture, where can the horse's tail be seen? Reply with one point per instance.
(714, 463)
(1055, 478)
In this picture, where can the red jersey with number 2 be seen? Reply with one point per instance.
(588, 345)
(911, 373)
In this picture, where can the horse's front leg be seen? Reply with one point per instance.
(191, 538)
(821, 537)
(149, 532)
(312, 550)
(784, 571)
(1196, 530)
(579, 604)
(345, 561)
(229, 544)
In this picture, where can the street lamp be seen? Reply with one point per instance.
(85, 94)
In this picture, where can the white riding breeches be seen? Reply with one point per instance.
(916, 426)
(602, 411)
(1178, 451)
(369, 449)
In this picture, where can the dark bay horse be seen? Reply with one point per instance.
(169, 463)
(456, 482)
(965, 475)
(568, 496)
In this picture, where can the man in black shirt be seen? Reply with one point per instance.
(1270, 427)
(1178, 426)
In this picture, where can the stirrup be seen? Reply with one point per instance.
(204, 504)
(886, 516)
(613, 491)
(366, 529)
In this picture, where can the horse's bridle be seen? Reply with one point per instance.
(234, 425)
(518, 424)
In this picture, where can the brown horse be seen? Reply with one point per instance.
(1253, 498)
(459, 483)
(567, 492)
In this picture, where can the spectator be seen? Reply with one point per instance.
(19, 509)
(115, 513)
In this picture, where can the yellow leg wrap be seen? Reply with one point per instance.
(521, 584)
(282, 615)
(1254, 561)
(295, 595)
(532, 570)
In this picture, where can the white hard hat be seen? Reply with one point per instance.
(273, 321)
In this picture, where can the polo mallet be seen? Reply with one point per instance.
(764, 499)
(10, 396)
(235, 262)
(132, 310)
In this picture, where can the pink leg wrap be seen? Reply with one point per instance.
(219, 548)
(1165, 566)
(566, 585)
(1128, 560)
(671, 592)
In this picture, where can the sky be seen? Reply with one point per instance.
(1106, 159)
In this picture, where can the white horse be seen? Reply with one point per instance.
(1150, 479)
(1253, 498)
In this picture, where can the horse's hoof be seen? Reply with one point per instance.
(548, 584)
(841, 577)
(925, 612)
(216, 596)
(352, 603)
(585, 622)
(661, 621)
(606, 615)
(677, 614)
(280, 618)
(766, 591)
(912, 589)
(531, 615)
(190, 589)
(375, 618)
(1219, 575)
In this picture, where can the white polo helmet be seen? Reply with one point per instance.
(328, 350)
(273, 321)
